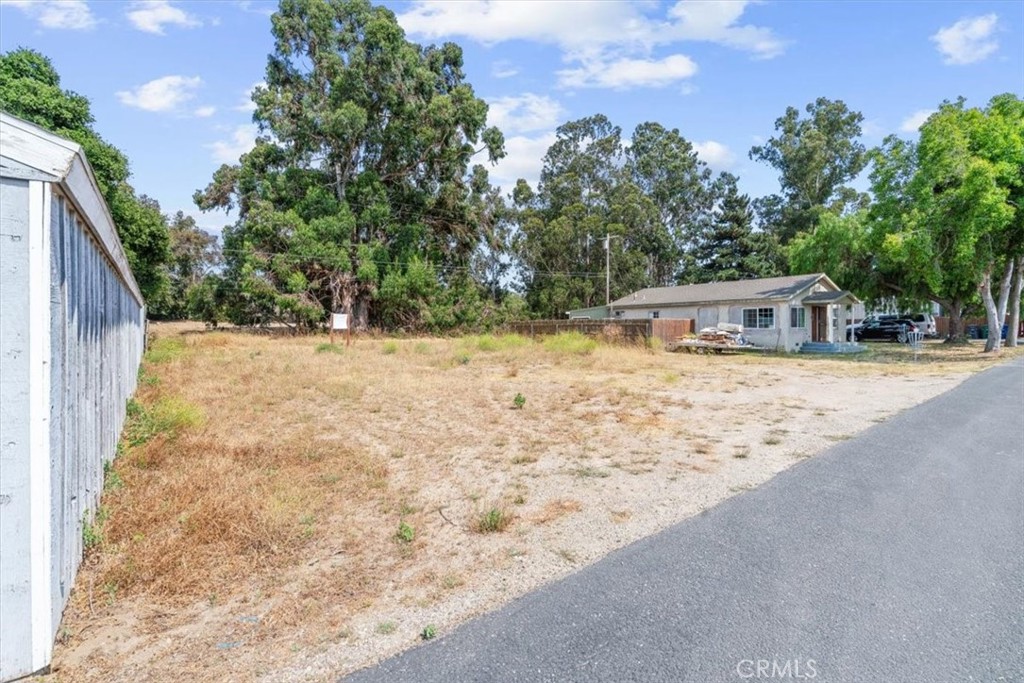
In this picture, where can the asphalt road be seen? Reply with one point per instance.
(895, 556)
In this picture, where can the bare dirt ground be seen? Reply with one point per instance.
(293, 512)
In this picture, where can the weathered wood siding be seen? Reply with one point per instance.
(72, 326)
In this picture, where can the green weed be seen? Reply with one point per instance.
(111, 479)
(389, 348)
(492, 521)
(327, 347)
(405, 533)
(164, 350)
(518, 402)
(429, 632)
(574, 343)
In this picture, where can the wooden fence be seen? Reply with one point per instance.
(632, 331)
(942, 325)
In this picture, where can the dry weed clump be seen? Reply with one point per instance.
(208, 500)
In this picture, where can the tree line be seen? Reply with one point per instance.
(367, 192)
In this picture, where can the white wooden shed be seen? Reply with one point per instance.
(72, 333)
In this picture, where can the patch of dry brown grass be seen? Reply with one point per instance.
(285, 496)
(554, 509)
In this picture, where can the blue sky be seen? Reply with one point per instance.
(169, 81)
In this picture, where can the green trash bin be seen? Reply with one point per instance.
(984, 331)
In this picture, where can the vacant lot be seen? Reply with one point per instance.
(287, 510)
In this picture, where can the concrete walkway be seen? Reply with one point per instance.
(896, 556)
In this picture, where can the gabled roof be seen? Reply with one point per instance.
(767, 289)
(28, 152)
(33, 153)
(838, 297)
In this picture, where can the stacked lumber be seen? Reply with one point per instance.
(723, 334)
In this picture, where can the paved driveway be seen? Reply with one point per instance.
(868, 563)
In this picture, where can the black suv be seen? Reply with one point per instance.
(889, 329)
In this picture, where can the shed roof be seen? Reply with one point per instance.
(28, 152)
(768, 289)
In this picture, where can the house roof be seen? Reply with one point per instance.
(772, 288)
(28, 152)
(839, 297)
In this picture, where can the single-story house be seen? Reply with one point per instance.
(780, 313)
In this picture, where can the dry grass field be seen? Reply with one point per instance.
(287, 510)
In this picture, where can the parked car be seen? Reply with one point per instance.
(925, 322)
(890, 329)
(868, 320)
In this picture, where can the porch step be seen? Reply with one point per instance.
(826, 347)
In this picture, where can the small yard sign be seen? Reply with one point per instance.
(339, 321)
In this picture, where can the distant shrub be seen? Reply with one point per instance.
(494, 342)
(571, 343)
(389, 347)
(329, 348)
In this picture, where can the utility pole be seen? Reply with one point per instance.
(608, 271)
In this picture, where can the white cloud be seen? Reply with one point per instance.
(593, 34)
(628, 73)
(162, 94)
(204, 112)
(242, 140)
(968, 40)
(715, 21)
(912, 123)
(715, 154)
(264, 7)
(152, 15)
(74, 15)
(504, 69)
(524, 158)
(246, 104)
(871, 129)
(524, 113)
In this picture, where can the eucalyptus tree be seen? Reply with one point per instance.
(816, 157)
(665, 166)
(644, 201)
(358, 194)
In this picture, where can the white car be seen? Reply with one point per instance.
(925, 322)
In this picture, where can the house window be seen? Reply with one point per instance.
(655, 314)
(759, 318)
(797, 317)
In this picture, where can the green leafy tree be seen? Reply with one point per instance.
(947, 216)
(30, 89)
(664, 165)
(358, 196)
(562, 225)
(728, 248)
(649, 197)
(815, 157)
(840, 247)
(194, 255)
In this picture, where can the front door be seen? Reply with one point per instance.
(819, 323)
